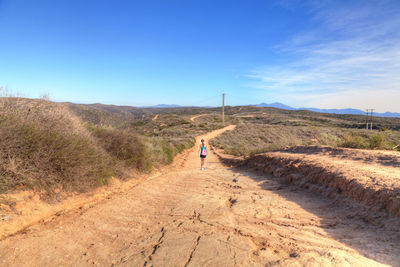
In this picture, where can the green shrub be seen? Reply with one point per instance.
(352, 140)
(377, 140)
(168, 152)
(329, 139)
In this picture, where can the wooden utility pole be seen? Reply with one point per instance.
(367, 120)
(223, 104)
(372, 110)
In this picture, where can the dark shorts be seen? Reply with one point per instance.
(201, 156)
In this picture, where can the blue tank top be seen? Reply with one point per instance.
(203, 151)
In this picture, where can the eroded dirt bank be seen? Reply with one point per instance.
(371, 178)
(218, 217)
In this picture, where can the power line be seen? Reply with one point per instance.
(368, 121)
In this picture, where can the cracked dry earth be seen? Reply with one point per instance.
(217, 217)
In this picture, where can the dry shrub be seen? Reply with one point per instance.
(43, 146)
(252, 138)
(123, 146)
(163, 149)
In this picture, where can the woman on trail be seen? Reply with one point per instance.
(203, 153)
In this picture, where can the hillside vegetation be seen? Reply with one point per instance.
(47, 146)
(269, 129)
(72, 147)
(43, 145)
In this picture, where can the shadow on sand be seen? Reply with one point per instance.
(374, 235)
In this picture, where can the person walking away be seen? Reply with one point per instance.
(203, 153)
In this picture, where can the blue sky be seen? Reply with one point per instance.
(326, 54)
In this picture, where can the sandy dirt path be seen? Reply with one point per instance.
(197, 116)
(216, 217)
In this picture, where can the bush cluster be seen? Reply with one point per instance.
(252, 137)
(365, 141)
(42, 145)
(123, 146)
(47, 146)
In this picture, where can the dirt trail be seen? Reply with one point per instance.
(246, 115)
(197, 116)
(155, 117)
(218, 217)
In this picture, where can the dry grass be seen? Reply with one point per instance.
(254, 136)
(274, 116)
(43, 145)
(124, 146)
(249, 138)
(47, 146)
(163, 138)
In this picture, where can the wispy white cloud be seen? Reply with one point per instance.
(351, 59)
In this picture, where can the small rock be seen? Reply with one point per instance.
(5, 217)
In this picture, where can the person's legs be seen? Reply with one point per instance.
(202, 163)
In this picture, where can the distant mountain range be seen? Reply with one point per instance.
(351, 111)
(335, 111)
(163, 106)
(174, 106)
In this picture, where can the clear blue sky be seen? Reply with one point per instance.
(328, 54)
